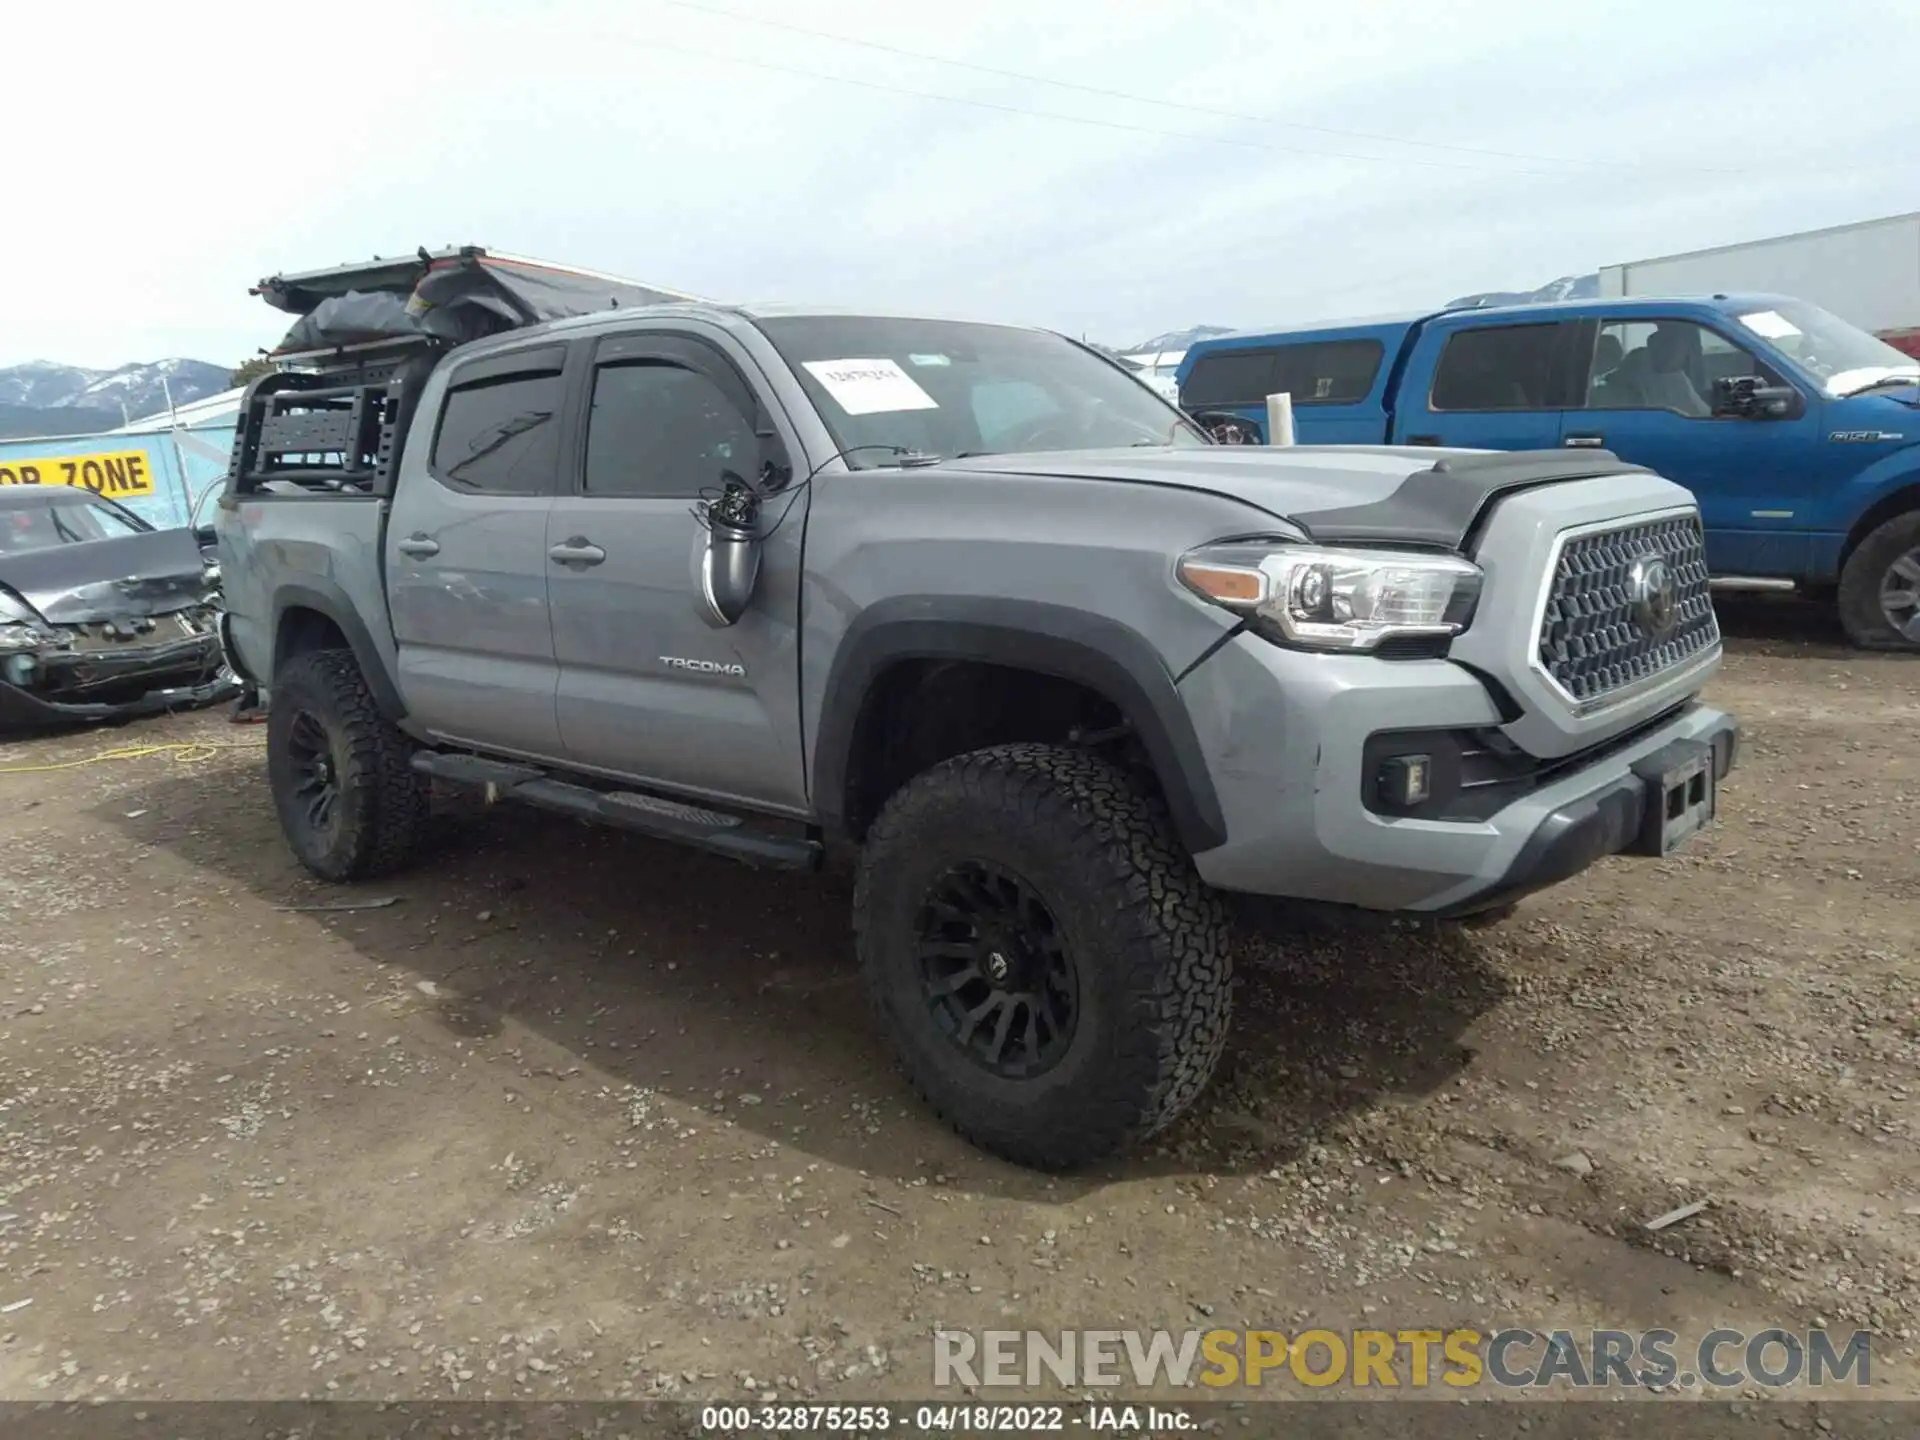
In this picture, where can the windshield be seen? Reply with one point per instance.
(61, 522)
(950, 389)
(1842, 357)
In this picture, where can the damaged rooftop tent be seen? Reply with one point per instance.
(331, 412)
(444, 297)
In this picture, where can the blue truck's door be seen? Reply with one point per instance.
(1648, 393)
(1492, 386)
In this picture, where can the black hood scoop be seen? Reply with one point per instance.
(1441, 506)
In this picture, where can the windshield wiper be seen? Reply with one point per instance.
(1902, 377)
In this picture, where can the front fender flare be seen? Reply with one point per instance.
(1110, 658)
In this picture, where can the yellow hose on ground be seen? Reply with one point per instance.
(184, 752)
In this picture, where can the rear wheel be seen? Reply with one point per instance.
(1880, 587)
(349, 801)
(1051, 969)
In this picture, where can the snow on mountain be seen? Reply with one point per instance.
(1567, 287)
(36, 394)
(43, 383)
(1176, 339)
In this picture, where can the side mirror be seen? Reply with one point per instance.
(1751, 398)
(728, 563)
(1227, 428)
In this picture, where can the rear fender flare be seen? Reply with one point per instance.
(325, 598)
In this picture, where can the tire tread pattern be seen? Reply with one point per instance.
(1859, 594)
(386, 804)
(1172, 933)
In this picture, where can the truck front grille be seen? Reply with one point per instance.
(1598, 635)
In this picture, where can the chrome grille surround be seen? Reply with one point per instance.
(1590, 649)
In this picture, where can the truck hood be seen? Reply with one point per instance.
(1334, 494)
(123, 578)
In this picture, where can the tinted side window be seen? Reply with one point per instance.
(1665, 365)
(1331, 372)
(500, 436)
(1504, 368)
(1229, 377)
(657, 428)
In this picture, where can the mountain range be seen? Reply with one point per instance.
(1176, 339)
(43, 397)
(1567, 287)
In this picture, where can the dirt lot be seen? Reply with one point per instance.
(585, 1116)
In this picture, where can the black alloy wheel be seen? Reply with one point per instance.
(316, 777)
(996, 970)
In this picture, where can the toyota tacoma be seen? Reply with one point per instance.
(1069, 677)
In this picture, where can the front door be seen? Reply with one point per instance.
(1494, 387)
(1650, 398)
(466, 555)
(648, 688)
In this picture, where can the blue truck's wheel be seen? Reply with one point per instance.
(1880, 587)
(349, 801)
(1051, 969)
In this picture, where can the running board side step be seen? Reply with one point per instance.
(655, 815)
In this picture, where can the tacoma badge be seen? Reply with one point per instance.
(705, 667)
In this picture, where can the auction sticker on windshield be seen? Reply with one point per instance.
(870, 387)
(118, 473)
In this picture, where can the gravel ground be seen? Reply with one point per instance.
(584, 1116)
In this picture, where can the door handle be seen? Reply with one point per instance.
(576, 551)
(419, 546)
(1585, 442)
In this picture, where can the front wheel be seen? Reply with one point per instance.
(349, 801)
(1880, 587)
(1051, 969)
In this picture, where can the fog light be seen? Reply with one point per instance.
(1406, 781)
(19, 670)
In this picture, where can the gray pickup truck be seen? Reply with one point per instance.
(973, 598)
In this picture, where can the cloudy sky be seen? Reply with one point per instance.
(1107, 167)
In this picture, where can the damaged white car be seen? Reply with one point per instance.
(102, 616)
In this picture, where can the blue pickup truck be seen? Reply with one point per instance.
(1798, 433)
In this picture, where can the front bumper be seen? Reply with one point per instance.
(1619, 815)
(1285, 737)
(122, 684)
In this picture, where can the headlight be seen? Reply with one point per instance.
(20, 627)
(1326, 599)
(15, 636)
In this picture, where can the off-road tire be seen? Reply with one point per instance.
(1861, 615)
(383, 805)
(1148, 940)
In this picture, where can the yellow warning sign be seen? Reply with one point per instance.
(120, 474)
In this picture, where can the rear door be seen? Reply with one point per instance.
(648, 688)
(466, 557)
(1490, 386)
